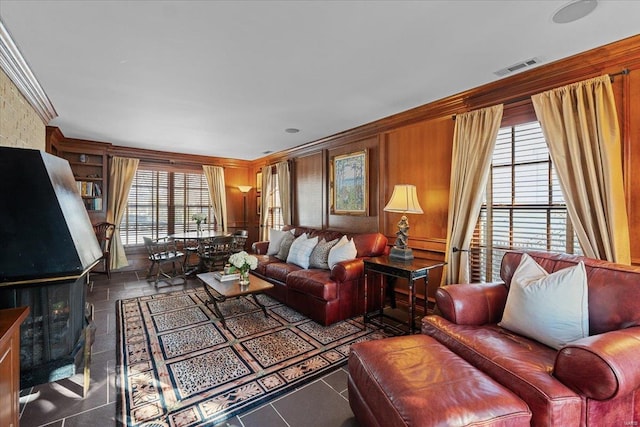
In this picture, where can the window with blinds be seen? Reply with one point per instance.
(524, 207)
(162, 203)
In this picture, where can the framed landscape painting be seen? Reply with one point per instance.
(349, 186)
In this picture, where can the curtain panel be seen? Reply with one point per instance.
(265, 201)
(121, 173)
(474, 139)
(284, 186)
(217, 193)
(580, 124)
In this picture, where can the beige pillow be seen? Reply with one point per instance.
(549, 308)
(275, 238)
(344, 250)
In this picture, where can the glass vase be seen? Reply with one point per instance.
(244, 277)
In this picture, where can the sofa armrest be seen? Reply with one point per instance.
(472, 304)
(345, 271)
(601, 366)
(260, 248)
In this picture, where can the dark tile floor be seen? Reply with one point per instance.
(60, 404)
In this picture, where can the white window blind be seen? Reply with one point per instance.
(524, 207)
(162, 203)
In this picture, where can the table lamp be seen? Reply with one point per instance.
(403, 200)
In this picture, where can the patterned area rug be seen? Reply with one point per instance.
(177, 365)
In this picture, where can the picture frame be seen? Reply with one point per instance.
(258, 205)
(350, 184)
(259, 181)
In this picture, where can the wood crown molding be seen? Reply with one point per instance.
(17, 69)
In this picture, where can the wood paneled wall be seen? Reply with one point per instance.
(415, 147)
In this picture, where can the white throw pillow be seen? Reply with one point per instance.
(344, 250)
(275, 238)
(550, 308)
(301, 249)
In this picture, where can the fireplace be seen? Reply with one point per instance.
(48, 247)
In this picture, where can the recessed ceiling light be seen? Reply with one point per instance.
(574, 10)
(292, 130)
(267, 152)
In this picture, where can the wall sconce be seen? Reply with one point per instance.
(244, 189)
(403, 200)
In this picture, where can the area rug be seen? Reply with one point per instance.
(177, 365)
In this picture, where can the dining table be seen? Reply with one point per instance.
(195, 237)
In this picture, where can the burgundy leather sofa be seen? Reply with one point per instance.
(594, 381)
(326, 296)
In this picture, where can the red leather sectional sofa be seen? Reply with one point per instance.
(326, 296)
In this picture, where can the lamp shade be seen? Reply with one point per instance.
(404, 200)
(244, 188)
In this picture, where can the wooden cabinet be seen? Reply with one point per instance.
(10, 321)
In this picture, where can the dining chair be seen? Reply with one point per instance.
(239, 240)
(214, 253)
(104, 233)
(163, 251)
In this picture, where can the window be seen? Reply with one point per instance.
(162, 203)
(524, 207)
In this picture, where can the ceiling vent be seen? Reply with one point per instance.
(518, 67)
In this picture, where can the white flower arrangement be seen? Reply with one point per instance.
(199, 217)
(243, 261)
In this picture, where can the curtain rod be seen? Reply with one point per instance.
(623, 72)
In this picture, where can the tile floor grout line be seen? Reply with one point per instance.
(280, 415)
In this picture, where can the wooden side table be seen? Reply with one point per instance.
(411, 270)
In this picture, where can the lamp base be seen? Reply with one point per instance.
(402, 254)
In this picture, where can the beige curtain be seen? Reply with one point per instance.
(121, 174)
(474, 138)
(284, 185)
(580, 125)
(266, 198)
(217, 193)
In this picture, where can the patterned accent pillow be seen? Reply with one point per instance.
(319, 257)
(285, 245)
(300, 250)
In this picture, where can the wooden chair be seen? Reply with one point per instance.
(163, 251)
(104, 233)
(215, 252)
(239, 240)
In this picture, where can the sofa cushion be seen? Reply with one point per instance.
(314, 282)
(280, 270)
(550, 308)
(285, 245)
(301, 249)
(319, 257)
(344, 250)
(519, 363)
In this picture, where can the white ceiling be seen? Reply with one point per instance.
(226, 78)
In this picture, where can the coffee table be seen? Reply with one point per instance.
(219, 291)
